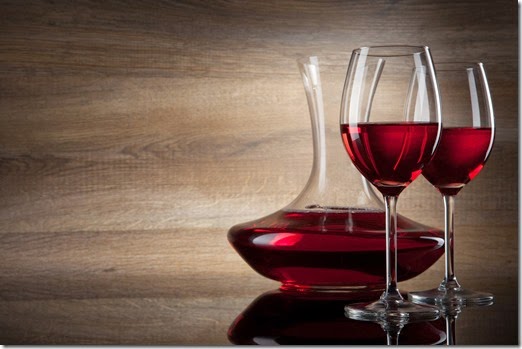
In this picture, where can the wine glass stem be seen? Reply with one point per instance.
(450, 280)
(391, 293)
(450, 330)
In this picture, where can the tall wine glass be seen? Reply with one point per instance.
(390, 126)
(466, 142)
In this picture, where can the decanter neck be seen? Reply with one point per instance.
(309, 69)
(333, 181)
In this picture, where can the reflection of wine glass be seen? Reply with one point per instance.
(466, 142)
(390, 126)
(450, 312)
(393, 329)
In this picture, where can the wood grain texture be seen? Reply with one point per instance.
(133, 134)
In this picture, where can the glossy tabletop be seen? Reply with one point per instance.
(268, 318)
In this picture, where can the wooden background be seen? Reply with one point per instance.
(133, 134)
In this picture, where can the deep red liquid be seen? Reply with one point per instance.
(303, 249)
(390, 155)
(460, 156)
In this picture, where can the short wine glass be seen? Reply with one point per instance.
(466, 142)
(390, 126)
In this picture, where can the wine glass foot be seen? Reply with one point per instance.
(396, 313)
(451, 296)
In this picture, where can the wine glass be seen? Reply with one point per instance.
(390, 126)
(465, 145)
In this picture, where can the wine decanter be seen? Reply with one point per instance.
(332, 235)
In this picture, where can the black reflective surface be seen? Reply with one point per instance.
(278, 317)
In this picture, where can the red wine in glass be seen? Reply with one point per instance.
(466, 142)
(460, 156)
(390, 126)
(390, 155)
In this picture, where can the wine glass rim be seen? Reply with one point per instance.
(456, 65)
(388, 50)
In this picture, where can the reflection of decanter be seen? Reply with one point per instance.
(332, 235)
(279, 317)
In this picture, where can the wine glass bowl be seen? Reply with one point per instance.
(390, 125)
(466, 143)
(391, 99)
